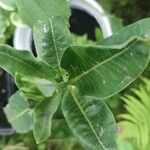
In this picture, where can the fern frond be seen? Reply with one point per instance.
(136, 122)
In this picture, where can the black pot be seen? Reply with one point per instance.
(6, 90)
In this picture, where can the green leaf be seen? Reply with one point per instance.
(16, 20)
(4, 24)
(19, 114)
(98, 34)
(8, 4)
(43, 114)
(90, 120)
(139, 29)
(102, 71)
(44, 9)
(14, 61)
(34, 87)
(52, 38)
(82, 40)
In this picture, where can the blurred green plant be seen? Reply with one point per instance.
(9, 18)
(19, 146)
(4, 24)
(6, 28)
(20, 141)
(83, 40)
(135, 123)
(11, 7)
(124, 144)
(128, 10)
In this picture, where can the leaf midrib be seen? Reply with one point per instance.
(19, 115)
(44, 126)
(54, 42)
(19, 60)
(100, 64)
(45, 122)
(47, 119)
(86, 118)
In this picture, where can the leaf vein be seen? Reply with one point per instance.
(19, 115)
(15, 58)
(100, 64)
(86, 118)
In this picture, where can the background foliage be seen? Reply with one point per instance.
(135, 123)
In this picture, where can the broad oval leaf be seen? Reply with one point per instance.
(90, 120)
(52, 37)
(19, 114)
(139, 29)
(42, 9)
(102, 71)
(14, 61)
(43, 114)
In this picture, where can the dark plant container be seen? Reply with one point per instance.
(6, 90)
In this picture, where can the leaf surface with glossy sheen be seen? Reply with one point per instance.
(90, 120)
(102, 71)
(52, 37)
(14, 61)
(43, 114)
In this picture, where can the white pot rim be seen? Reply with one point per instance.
(23, 35)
